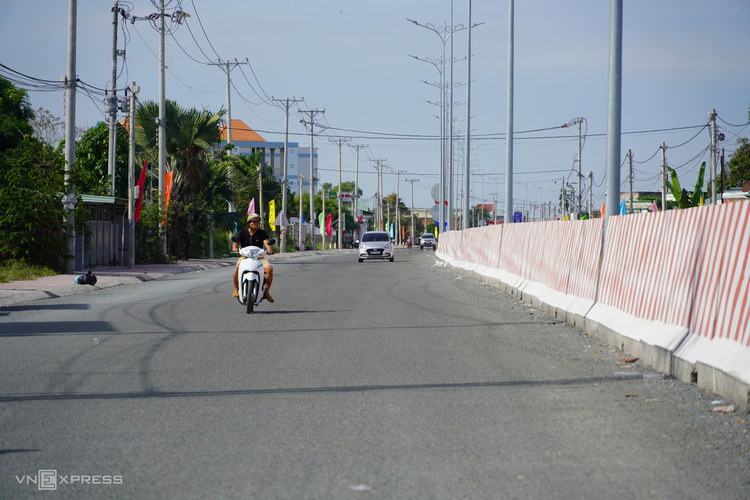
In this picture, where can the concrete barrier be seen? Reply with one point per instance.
(672, 288)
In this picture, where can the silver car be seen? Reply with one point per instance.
(427, 240)
(376, 245)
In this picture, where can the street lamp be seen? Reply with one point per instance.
(445, 33)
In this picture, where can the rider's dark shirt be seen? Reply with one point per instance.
(256, 240)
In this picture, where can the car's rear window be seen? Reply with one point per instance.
(428, 235)
(375, 237)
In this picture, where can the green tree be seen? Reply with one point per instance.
(15, 115)
(31, 185)
(31, 210)
(92, 162)
(739, 164)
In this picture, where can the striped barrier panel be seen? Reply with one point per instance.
(722, 302)
(585, 255)
(716, 354)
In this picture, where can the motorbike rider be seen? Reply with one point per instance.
(253, 235)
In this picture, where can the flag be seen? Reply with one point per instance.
(361, 218)
(167, 192)
(603, 209)
(141, 182)
(251, 207)
(623, 208)
(566, 218)
(320, 223)
(272, 214)
(701, 201)
(329, 225)
(653, 207)
(436, 234)
(390, 230)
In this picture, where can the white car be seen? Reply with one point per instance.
(376, 245)
(427, 240)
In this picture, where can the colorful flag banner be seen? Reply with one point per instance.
(272, 214)
(623, 208)
(329, 225)
(141, 183)
(167, 192)
(251, 207)
(654, 207)
(320, 222)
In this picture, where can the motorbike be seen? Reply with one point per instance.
(251, 277)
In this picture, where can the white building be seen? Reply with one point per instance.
(247, 141)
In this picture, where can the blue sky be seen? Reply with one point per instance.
(681, 58)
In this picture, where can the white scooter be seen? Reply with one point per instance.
(251, 277)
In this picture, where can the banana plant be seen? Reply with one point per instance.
(681, 195)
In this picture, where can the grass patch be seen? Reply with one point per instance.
(21, 271)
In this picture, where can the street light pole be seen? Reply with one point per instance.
(509, 133)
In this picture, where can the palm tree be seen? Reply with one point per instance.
(192, 136)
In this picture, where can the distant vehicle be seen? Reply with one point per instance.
(376, 245)
(427, 240)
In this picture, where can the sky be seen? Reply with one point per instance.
(681, 59)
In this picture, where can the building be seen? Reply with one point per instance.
(247, 141)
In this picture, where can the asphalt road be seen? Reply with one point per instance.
(377, 380)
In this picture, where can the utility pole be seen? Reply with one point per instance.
(162, 121)
(509, 126)
(69, 200)
(398, 212)
(228, 66)
(112, 105)
(412, 181)
(260, 195)
(286, 103)
(579, 120)
(340, 230)
(712, 118)
(177, 17)
(663, 176)
(562, 199)
(132, 195)
(355, 197)
(591, 195)
(630, 169)
(312, 113)
(301, 215)
(225, 65)
(378, 221)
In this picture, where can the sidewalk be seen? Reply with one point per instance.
(17, 292)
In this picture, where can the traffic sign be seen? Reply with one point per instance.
(435, 212)
(517, 217)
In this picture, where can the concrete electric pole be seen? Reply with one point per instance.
(312, 113)
(286, 103)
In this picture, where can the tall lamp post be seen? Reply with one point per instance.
(445, 33)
